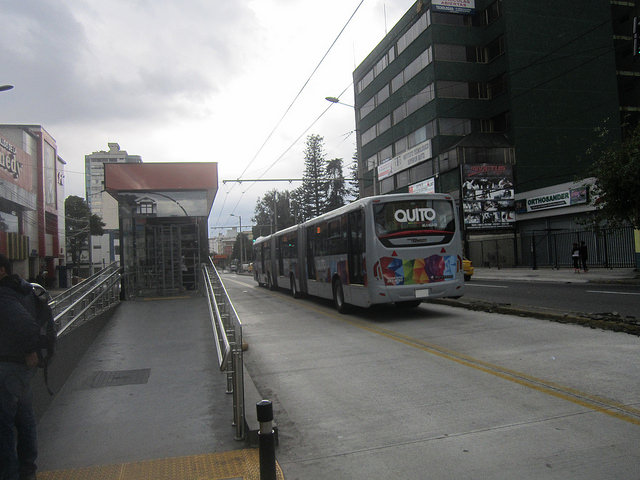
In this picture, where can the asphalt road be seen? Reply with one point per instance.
(584, 298)
(440, 392)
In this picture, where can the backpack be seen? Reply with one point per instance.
(48, 334)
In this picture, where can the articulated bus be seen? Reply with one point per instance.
(401, 249)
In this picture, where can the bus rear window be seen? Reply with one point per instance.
(411, 223)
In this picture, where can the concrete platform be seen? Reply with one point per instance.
(146, 401)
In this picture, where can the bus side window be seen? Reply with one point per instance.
(281, 253)
(311, 244)
(356, 247)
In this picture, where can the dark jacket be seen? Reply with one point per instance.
(19, 329)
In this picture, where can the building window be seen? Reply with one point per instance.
(441, 18)
(377, 69)
(495, 48)
(371, 163)
(414, 32)
(402, 179)
(400, 146)
(421, 172)
(493, 12)
(385, 153)
(147, 207)
(450, 53)
(379, 128)
(415, 67)
(449, 89)
(454, 126)
(367, 108)
(387, 185)
(382, 95)
(368, 135)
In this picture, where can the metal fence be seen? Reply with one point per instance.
(609, 248)
(227, 330)
(606, 247)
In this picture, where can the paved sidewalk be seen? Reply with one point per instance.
(562, 275)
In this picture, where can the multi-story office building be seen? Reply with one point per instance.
(104, 248)
(32, 204)
(496, 103)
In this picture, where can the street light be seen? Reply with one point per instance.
(337, 100)
(241, 239)
(5, 87)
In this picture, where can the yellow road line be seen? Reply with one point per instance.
(592, 402)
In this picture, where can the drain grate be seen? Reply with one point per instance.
(120, 377)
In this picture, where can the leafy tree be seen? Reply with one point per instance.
(336, 187)
(247, 251)
(265, 220)
(79, 224)
(313, 190)
(617, 172)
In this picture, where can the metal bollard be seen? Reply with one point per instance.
(266, 440)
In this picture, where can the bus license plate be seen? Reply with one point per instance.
(422, 293)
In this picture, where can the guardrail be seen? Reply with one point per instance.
(86, 300)
(227, 330)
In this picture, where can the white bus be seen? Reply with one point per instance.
(400, 249)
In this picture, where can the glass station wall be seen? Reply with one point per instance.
(163, 241)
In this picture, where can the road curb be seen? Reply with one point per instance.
(611, 322)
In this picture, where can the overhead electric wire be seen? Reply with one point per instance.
(288, 148)
(290, 106)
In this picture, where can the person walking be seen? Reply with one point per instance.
(19, 340)
(575, 256)
(584, 255)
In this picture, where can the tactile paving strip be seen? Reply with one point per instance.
(233, 465)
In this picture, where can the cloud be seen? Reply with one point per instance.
(188, 80)
(105, 61)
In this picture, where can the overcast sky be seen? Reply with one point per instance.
(189, 80)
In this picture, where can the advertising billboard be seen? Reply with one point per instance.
(454, 6)
(487, 196)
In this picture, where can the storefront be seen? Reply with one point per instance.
(32, 204)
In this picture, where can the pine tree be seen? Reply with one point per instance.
(353, 183)
(314, 187)
(336, 187)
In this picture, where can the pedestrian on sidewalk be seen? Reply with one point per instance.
(584, 255)
(19, 339)
(575, 256)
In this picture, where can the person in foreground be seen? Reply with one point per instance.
(19, 339)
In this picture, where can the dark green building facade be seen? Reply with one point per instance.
(496, 102)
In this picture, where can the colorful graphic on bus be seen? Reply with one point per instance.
(435, 268)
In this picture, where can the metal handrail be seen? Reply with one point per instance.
(216, 324)
(60, 301)
(227, 329)
(87, 300)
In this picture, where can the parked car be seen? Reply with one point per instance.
(467, 266)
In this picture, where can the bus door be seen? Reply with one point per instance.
(356, 241)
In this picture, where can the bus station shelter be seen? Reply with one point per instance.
(163, 210)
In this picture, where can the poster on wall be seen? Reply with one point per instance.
(426, 186)
(487, 196)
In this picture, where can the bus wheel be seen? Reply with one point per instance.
(408, 304)
(294, 290)
(338, 297)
